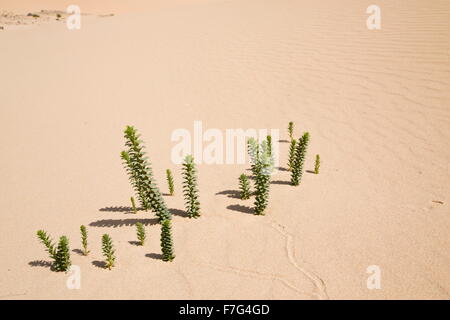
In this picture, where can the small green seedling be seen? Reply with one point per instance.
(269, 145)
(244, 185)
(170, 181)
(140, 232)
(190, 187)
(84, 242)
(317, 164)
(133, 205)
(108, 251)
(300, 153)
(291, 130)
(292, 154)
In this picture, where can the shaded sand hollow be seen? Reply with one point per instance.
(376, 104)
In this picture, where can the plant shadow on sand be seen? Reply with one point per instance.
(99, 264)
(283, 141)
(40, 263)
(156, 256)
(281, 182)
(236, 194)
(311, 171)
(114, 223)
(241, 208)
(79, 251)
(281, 169)
(118, 209)
(135, 243)
(179, 212)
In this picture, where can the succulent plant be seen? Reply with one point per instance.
(140, 232)
(300, 153)
(244, 185)
(291, 130)
(317, 164)
(166, 240)
(190, 187)
(141, 175)
(108, 251)
(84, 242)
(170, 181)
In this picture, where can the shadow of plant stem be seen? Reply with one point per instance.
(114, 223)
(241, 208)
(236, 194)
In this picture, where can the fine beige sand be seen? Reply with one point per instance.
(376, 103)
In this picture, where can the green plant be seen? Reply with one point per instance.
(141, 175)
(262, 167)
(291, 130)
(133, 205)
(269, 145)
(300, 153)
(108, 251)
(140, 231)
(317, 164)
(190, 188)
(292, 154)
(244, 185)
(253, 152)
(62, 257)
(84, 242)
(48, 243)
(170, 181)
(166, 241)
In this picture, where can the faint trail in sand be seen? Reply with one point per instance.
(290, 251)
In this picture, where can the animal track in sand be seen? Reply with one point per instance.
(290, 251)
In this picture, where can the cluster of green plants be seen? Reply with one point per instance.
(262, 162)
(142, 180)
(60, 254)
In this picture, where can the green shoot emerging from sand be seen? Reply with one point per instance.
(140, 232)
(190, 188)
(292, 154)
(166, 241)
(300, 153)
(108, 251)
(269, 145)
(141, 175)
(48, 243)
(317, 164)
(84, 242)
(59, 255)
(170, 181)
(133, 205)
(291, 130)
(62, 258)
(244, 185)
(262, 167)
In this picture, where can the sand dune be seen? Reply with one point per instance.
(376, 104)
